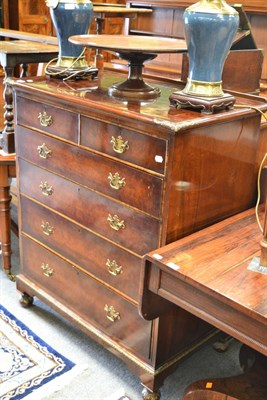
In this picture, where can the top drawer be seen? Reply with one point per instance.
(47, 118)
(137, 148)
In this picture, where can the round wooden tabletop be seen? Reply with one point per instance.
(114, 9)
(131, 43)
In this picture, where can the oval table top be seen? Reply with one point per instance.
(131, 43)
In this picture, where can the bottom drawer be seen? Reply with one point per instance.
(86, 297)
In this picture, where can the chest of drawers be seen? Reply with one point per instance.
(101, 183)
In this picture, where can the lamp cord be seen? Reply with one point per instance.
(253, 108)
(260, 168)
(68, 68)
(259, 192)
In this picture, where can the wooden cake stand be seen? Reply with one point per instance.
(136, 50)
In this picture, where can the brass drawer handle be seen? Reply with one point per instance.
(119, 145)
(112, 315)
(47, 228)
(115, 223)
(47, 271)
(44, 151)
(45, 119)
(115, 181)
(113, 267)
(46, 189)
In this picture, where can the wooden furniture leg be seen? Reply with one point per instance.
(7, 170)
(7, 139)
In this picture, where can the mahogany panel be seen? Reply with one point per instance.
(141, 232)
(86, 297)
(93, 171)
(84, 248)
(209, 170)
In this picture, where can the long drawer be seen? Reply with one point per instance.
(53, 120)
(140, 149)
(115, 179)
(121, 224)
(89, 299)
(109, 263)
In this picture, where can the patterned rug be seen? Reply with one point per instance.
(26, 362)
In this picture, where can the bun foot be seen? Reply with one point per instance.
(11, 276)
(26, 300)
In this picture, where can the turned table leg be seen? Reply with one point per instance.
(8, 132)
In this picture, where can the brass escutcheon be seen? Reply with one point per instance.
(112, 315)
(115, 223)
(47, 271)
(119, 145)
(115, 181)
(45, 119)
(113, 267)
(47, 228)
(44, 151)
(46, 189)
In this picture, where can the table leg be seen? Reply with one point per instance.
(24, 70)
(8, 140)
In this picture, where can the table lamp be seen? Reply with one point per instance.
(70, 17)
(209, 26)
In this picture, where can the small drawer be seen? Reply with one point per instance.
(109, 263)
(89, 299)
(121, 224)
(49, 119)
(137, 148)
(113, 178)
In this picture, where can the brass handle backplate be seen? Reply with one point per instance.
(112, 315)
(119, 145)
(46, 189)
(115, 181)
(113, 267)
(45, 119)
(47, 271)
(115, 223)
(44, 151)
(47, 228)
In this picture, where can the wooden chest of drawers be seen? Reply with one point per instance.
(101, 183)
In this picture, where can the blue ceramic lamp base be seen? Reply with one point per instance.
(70, 17)
(210, 26)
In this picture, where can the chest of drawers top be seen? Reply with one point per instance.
(75, 100)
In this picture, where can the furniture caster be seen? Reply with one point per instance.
(26, 300)
(147, 395)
